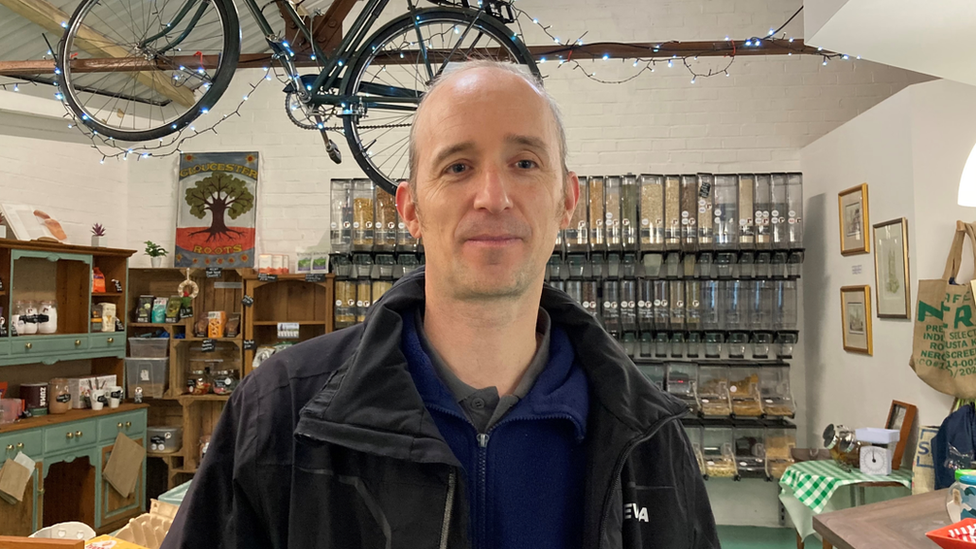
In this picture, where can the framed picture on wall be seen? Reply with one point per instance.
(901, 417)
(853, 209)
(891, 271)
(855, 312)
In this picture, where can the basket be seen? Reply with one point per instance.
(955, 536)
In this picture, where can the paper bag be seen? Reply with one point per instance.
(944, 345)
(124, 465)
(923, 468)
(13, 481)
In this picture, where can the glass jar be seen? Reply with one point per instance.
(672, 212)
(225, 381)
(577, 235)
(597, 208)
(362, 215)
(58, 396)
(628, 212)
(651, 212)
(199, 382)
(47, 318)
(341, 224)
(24, 319)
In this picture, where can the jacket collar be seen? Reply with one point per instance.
(371, 403)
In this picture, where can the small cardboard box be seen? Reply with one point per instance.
(79, 388)
(320, 262)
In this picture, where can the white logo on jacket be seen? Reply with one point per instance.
(633, 512)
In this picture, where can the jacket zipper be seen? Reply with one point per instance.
(448, 508)
(618, 468)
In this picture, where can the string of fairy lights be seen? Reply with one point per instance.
(562, 56)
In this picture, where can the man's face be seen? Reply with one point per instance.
(490, 190)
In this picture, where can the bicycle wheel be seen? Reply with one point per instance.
(390, 76)
(136, 70)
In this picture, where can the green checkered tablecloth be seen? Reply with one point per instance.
(814, 482)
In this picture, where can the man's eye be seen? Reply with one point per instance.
(525, 164)
(457, 168)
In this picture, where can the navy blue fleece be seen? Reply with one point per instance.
(525, 484)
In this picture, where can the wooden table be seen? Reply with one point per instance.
(895, 524)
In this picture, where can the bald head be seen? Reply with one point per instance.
(505, 81)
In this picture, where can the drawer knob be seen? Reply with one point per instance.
(10, 447)
(111, 340)
(20, 445)
(69, 434)
(77, 342)
(78, 434)
(128, 424)
(29, 345)
(119, 425)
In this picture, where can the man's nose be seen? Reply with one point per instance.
(493, 191)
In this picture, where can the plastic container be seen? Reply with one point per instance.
(713, 391)
(961, 498)
(405, 241)
(746, 209)
(645, 305)
(362, 215)
(744, 391)
(598, 212)
(662, 305)
(784, 309)
(725, 215)
(794, 210)
(408, 263)
(711, 314)
(628, 305)
(611, 202)
(693, 303)
(629, 223)
(651, 212)
(577, 234)
(682, 382)
(717, 444)
(774, 391)
(778, 209)
(364, 298)
(148, 347)
(10, 410)
(646, 345)
(225, 381)
(340, 235)
(676, 314)
(199, 381)
(779, 444)
(345, 303)
(761, 203)
(689, 213)
(734, 299)
(150, 374)
(672, 212)
(706, 240)
(655, 373)
(165, 440)
(591, 303)
(611, 306)
(384, 221)
(750, 452)
(760, 305)
(694, 432)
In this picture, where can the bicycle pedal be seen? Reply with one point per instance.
(330, 147)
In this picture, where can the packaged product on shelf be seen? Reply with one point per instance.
(704, 199)
(762, 201)
(778, 210)
(340, 237)
(682, 382)
(676, 315)
(744, 391)
(612, 192)
(577, 235)
(159, 310)
(597, 208)
(651, 212)
(216, 321)
(265, 263)
(713, 391)
(747, 230)
(320, 262)
(24, 318)
(106, 311)
(303, 264)
(47, 317)
(198, 381)
(225, 381)
(725, 214)
(629, 198)
(362, 215)
(98, 281)
(750, 452)
(794, 210)
(233, 324)
(143, 312)
(172, 313)
(672, 212)
(384, 226)
(628, 305)
(689, 213)
(58, 396)
(717, 444)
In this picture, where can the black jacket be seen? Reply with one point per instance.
(328, 445)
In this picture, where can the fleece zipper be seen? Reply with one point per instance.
(448, 508)
(618, 468)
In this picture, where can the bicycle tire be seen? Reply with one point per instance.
(352, 78)
(227, 64)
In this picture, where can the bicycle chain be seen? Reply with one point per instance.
(369, 127)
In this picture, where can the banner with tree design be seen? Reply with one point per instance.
(217, 210)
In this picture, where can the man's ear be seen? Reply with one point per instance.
(570, 199)
(408, 208)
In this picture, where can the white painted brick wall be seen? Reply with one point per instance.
(66, 181)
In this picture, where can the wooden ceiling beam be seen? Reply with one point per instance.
(643, 50)
(50, 18)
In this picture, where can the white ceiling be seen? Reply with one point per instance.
(928, 36)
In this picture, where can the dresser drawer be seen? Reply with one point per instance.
(70, 435)
(107, 340)
(46, 345)
(28, 441)
(4, 346)
(132, 424)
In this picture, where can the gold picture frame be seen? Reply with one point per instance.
(892, 289)
(852, 206)
(855, 314)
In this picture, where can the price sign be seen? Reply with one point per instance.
(288, 330)
(265, 277)
(214, 272)
(247, 301)
(315, 277)
(250, 345)
(209, 345)
(118, 286)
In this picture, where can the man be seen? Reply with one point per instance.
(474, 408)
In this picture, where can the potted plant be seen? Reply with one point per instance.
(98, 232)
(155, 253)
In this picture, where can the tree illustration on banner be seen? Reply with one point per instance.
(216, 219)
